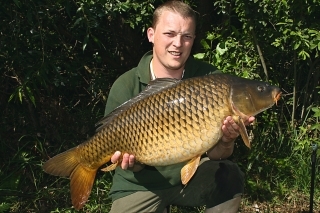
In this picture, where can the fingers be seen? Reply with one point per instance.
(115, 157)
(127, 159)
(230, 124)
(249, 120)
(230, 128)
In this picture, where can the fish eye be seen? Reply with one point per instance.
(261, 88)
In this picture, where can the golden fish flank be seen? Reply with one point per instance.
(171, 121)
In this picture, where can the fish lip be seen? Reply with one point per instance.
(276, 97)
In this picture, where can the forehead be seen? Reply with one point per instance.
(169, 20)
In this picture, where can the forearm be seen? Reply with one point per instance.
(221, 151)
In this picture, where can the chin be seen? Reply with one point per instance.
(175, 67)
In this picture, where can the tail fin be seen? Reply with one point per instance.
(82, 177)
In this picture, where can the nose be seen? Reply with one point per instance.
(177, 40)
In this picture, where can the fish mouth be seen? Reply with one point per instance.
(277, 96)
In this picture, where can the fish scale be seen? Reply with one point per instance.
(171, 121)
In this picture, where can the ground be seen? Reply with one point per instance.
(298, 205)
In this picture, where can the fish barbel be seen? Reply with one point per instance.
(171, 121)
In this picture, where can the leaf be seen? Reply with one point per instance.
(31, 96)
(205, 45)
(199, 55)
(17, 3)
(304, 55)
(296, 45)
(20, 94)
(210, 36)
(85, 42)
(77, 21)
(11, 97)
(315, 127)
(4, 207)
(313, 31)
(221, 48)
(316, 111)
(281, 23)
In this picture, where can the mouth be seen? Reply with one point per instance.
(174, 53)
(277, 97)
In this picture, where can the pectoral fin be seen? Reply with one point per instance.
(189, 169)
(243, 130)
(110, 167)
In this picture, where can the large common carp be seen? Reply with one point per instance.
(171, 121)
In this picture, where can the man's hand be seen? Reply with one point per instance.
(128, 161)
(231, 130)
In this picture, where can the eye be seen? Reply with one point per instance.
(261, 88)
(169, 34)
(187, 37)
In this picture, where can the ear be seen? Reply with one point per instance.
(150, 34)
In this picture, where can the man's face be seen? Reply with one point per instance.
(173, 38)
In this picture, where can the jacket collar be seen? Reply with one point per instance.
(144, 68)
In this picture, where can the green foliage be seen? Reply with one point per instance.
(4, 207)
(59, 59)
(276, 41)
(226, 55)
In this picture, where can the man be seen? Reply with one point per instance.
(218, 183)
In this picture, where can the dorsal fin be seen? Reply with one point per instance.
(153, 87)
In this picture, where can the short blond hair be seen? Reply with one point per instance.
(174, 6)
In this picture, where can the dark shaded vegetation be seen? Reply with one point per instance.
(59, 59)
